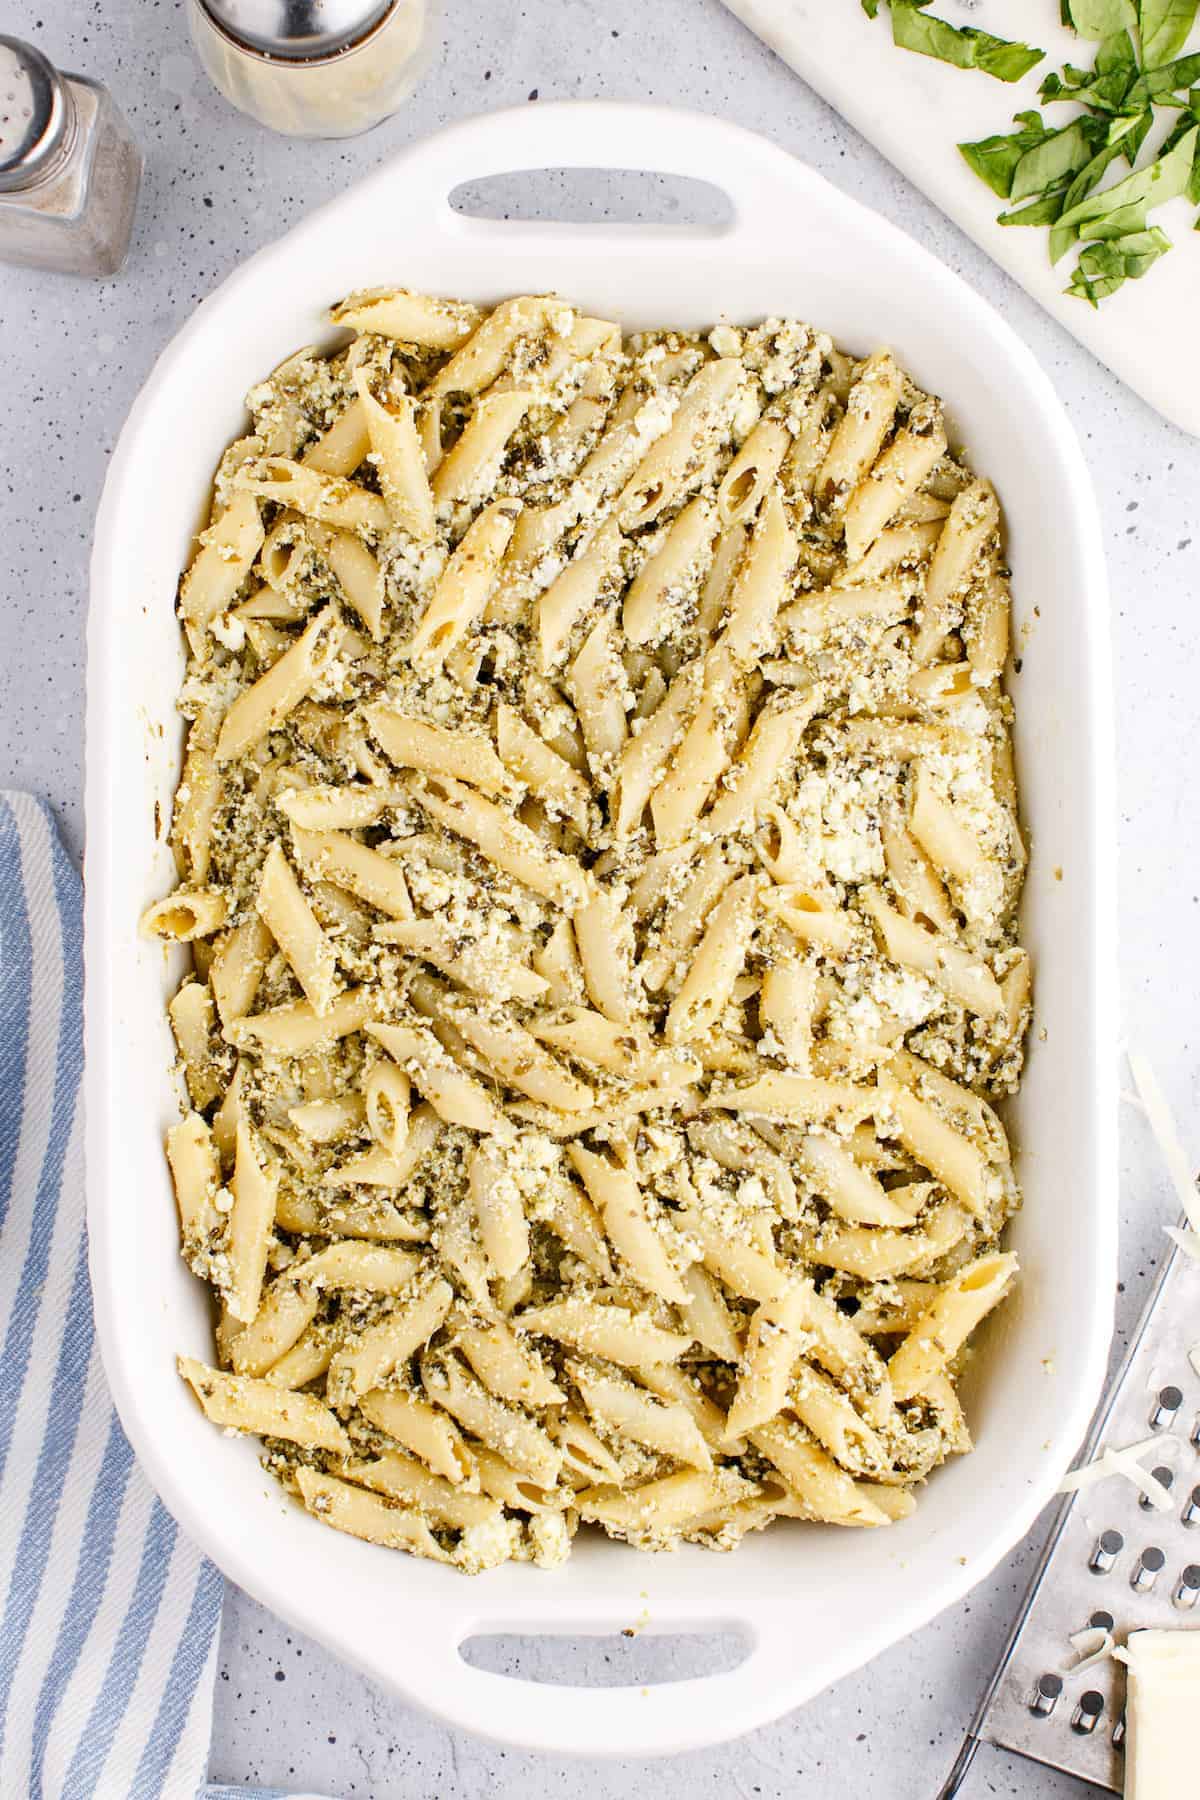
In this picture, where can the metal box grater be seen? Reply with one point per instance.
(1112, 1559)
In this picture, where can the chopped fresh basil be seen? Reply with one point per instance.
(1104, 88)
(1062, 238)
(1169, 79)
(993, 160)
(1164, 27)
(1187, 122)
(1135, 137)
(1119, 223)
(1103, 268)
(962, 45)
(1060, 155)
(1100, 18)
(1159, 181)
(1051, 177)
(1039, 212)
(1068, 85)
(996, 159)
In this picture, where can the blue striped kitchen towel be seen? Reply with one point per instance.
(108, 1615)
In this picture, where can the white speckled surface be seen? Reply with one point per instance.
(73, 355)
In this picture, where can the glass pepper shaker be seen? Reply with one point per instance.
(69, 170)
(313, 68)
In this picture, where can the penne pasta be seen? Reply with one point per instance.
(238, 1403)
(599, 851)
(434, 324)
(896, 473)
(944, 1326)
(708, 986)
(504, 840)
(973, 518)
(462, 593)
(629, 1411)
(456, 1097)
(605, 1330)
(546, 773)
(415, 744)
(396, 448)
(651, 599)
(465, 468)
(330, 499)
(643, 1241)
(225, 557)
(862, 429)
(573, 593)
(337, 857)
(261, 708)
(287, 915)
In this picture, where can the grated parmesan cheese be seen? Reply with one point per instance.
(1162, 1124)
(1126, 1461)
(1091, 1646)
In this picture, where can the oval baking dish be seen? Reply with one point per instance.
(813, 1602)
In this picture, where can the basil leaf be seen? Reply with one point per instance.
(1159, 181)
(1049, 164)
(1055, 88)
(1100, 18)
(1118, 130)
(871, 8)
(1190, 118)
(1120, 223)
(1137, 252)
(1093, 291)
(1080, 85)
(1116, 62)
(995, 159)
(961, 45)
(1106, 86)
(1102, 268)
(1132, 143)
(1116, 52)
(1039, 212)
(1164, 27)
(1063, 236)
(1154, 84)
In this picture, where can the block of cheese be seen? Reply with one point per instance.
(1162, 1697)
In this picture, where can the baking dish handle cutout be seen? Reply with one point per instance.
(638, 1719)
(607, 197)
(759, 180)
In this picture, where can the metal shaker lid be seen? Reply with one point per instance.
(36, 115)
(297, 30)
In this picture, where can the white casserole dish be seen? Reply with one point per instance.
(814, 1602)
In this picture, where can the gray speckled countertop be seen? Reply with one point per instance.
(73, 355)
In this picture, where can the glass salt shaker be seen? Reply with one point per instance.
(69, 170)
(313, 68)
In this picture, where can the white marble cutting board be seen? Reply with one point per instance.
(916, 110)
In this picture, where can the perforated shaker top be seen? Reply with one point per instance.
(35, 115)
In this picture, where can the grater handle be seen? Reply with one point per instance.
(971, 1743)
(962, 1763)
